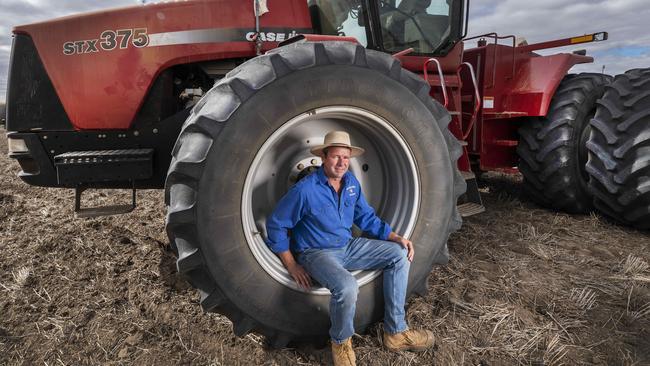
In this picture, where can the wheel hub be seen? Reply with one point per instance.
(302, 168)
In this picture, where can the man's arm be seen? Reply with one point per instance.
(288, 211)
(295, 270)
(286, 215)
(403, 242)
(368, 221)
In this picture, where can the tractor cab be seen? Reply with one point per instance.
(428, 27)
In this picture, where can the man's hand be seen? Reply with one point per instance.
(295, 270)
(407, 244)
(300, 275)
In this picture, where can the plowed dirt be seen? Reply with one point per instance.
(524, 286)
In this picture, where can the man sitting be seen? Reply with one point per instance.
(320, 210)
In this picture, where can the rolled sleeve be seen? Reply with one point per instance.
(366, 219)
(286, 215)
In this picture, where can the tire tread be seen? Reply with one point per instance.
(619, 144)
(547, 148)
(218, 105)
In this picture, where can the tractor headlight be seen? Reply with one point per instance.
(17, 146)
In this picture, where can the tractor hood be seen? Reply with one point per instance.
(102, 64)
(74, 20)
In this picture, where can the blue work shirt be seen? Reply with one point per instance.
(317, 217)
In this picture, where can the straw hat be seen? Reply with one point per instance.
(339, 139)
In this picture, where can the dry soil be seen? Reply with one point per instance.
(524, 286)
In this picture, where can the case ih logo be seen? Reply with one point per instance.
(108, 40)
(271, 36)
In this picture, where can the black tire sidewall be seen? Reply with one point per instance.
(221, 238)
(570, 110)
(617, 181)
(585, 112)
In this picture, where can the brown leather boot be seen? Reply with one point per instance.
(343, 354)
(410, 340)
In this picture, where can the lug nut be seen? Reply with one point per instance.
(301, 166)
(313, 162)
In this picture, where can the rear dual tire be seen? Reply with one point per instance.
(552, 149)
(593, 148)
(619, 150)
(220, 187)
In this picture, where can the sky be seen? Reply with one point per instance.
(626, 21)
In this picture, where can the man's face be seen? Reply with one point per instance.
(336, 161)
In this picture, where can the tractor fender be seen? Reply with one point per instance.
(535, 81)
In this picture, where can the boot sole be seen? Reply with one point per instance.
(413, 349)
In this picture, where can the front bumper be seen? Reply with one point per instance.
(36, 166)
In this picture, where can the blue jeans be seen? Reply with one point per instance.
(330, 267)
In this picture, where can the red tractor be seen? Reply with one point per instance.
(219, 102)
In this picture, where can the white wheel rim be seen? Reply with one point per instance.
(274, 168)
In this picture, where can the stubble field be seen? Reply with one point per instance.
(524, 286)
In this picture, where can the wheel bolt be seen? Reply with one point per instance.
(301, 166)
(313, 162)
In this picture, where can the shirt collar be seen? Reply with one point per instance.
(322, 178)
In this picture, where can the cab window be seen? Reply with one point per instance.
(339, 18)
(424, 25)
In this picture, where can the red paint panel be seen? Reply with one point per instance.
(497, 148)
(522, 85)
(104, 89)
(536, 80)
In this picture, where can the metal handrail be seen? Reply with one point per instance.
(477, 97)
(442, 78)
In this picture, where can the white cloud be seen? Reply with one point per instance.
(539, 21)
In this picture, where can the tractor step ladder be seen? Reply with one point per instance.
(101, 210)
(88, 169)
(473, 204)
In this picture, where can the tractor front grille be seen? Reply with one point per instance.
(32, 102)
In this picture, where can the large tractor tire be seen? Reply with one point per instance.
(552, 149)
(619, 150)
(248, 140)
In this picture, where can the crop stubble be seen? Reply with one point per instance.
(524, 286)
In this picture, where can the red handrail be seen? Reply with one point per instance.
(477, 97)
(442, 78)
